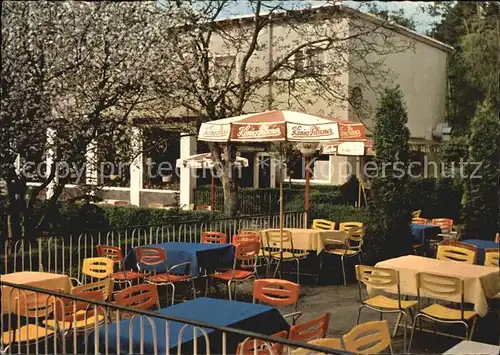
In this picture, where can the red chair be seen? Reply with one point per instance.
(144, 297)
(446, 224)
(214, 238)
(314, 329)
(244, 266)
(157, 257)
(249, 237)
(251, 346)
(418, 221)
(277, 293)
(116, 254)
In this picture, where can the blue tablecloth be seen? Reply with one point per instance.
(207, 256)
(423, 232)
(481, 245)
(240, 315)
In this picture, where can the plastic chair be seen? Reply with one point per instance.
(244, 266)
(351, 248)
(346, 226)
(277, 293)
(73, 315)
(144, 297)
(381, 279)
(323, 224)
(116, 254)
(251, 346)
(446, 224)
(491, 257)
(97, 268)
(251, 235)
(368, 338)
(281, 249)
(30, 305)
(314, 329)
(247, 237)
(456, 251)
(157, 257)
(448, 288)
(332, 343)
(416, 214)
(214, 238)
(418, 220)
(105, 287)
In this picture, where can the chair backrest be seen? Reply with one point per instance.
(355, 236)
(441, 287)
(150, 256)
(143, 296)
(247, 237)
(416, 214)
(99, 267)
(246, 254)
(368, 338)
(491, 256)
(33, 304)
(323, 224)
(446, 224)
(214, 238)
(275, 241)
(73, 311)
(456, 251)
(376, 277)
(251, 346)
(345, 226)
(314, 329)
(110, 252)
(105, 287)
(249, 231)
(276, 292)
(418, 220)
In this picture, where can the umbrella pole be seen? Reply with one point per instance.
(307, 161)
(281, 207)
(212, 205)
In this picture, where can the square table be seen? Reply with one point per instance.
(201, 255)
(481, 282)
(467, 347)
(481, 245)
(240, 315)
(423, 232)
(45, 280)
(311, 239)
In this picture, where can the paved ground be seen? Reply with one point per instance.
(343, 302)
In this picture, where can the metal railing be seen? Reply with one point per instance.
(64, 254)
(48, 336)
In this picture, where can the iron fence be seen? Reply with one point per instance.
(35, 312)
(65, 253)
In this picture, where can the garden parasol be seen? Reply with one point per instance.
(280, 126)
(205, 161)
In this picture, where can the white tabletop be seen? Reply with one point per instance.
(472, 347)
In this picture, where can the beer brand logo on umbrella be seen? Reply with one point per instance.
(215, 131)
(258, 131)
(351, 131)
(311, 131)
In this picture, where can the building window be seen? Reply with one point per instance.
(315, 61)
(298, 62)
(356, 97)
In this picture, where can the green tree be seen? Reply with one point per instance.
(395, 16)
(480, 202)
(390, 211)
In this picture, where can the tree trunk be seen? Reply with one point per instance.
(228, 179)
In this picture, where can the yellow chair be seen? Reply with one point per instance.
(345, 226)
(323, 224)
(456, 251)
(97, 268)
(416, 214)
(491, 257)
(105, 286)
(380, 279)
(30, 305)
(351, 248)
(332, 343)
(445, 288)
(368, 338)
(282, 250)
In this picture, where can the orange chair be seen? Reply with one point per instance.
(214, 238)
(246, 254)
(418, 221)
(157, 257)
(251, 346)
(314, 329)
(446, 224)
(144, 297)
(249, 237)
(116, 254)
(276, 293)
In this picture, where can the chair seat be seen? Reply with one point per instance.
(381, 301)
(442, 312)
(26, 333)
(238, 275)
(342, 251)
(79, 324)
(166, 277)
(126, 276)
(332, 343)
(288, 255)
